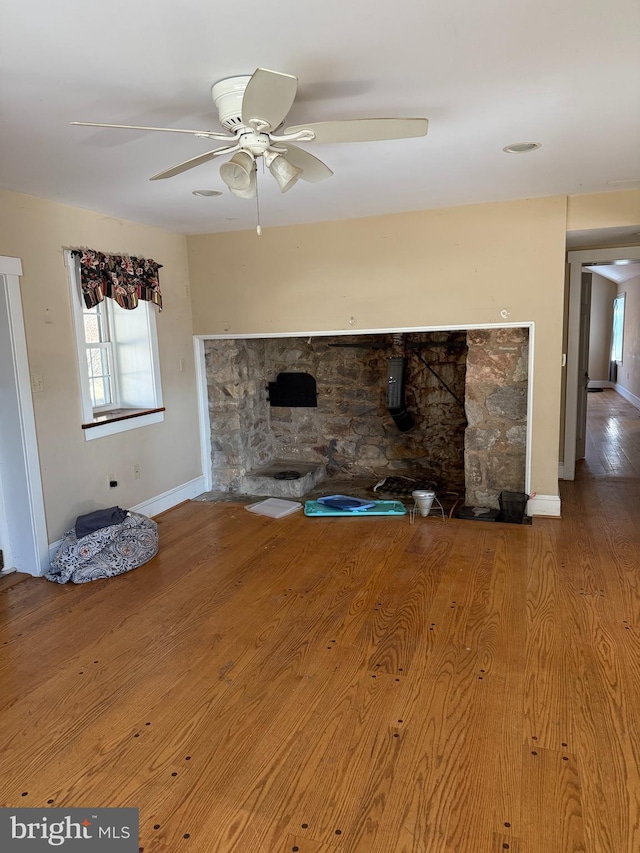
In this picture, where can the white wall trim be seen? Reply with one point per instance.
(529, 439)
(53, 547)
(635, 401)
(233, 336)
(561, 471)
(154, 506)
(10, 266)
(590, 256)
(545, 505)
(571, 395)
(34, 559)
(600, 383)
(203, 413)
(171, 498)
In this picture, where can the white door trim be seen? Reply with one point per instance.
(30, 549)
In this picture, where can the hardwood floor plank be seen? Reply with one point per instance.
(550, 786)
(550, 660)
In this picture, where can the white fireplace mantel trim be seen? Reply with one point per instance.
(537, 506)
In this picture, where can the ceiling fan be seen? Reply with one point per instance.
(251, 108)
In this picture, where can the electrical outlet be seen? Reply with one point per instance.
(136, 472)
(37, 382)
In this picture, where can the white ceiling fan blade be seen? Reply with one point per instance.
(268, 97)
(313, 170)
(209, 134)
(195, 161)
(364, 129)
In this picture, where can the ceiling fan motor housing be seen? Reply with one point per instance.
(227, 95)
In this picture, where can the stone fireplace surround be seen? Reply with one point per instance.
(477, 451)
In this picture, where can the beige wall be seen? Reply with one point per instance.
(603, 210)
(75, 471)
(629, 370)
(603, 292)
(452, 267)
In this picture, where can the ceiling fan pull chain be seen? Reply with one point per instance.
(258, 226)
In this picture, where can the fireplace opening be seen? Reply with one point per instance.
(337, 422)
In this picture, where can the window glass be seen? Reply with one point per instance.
(618, 328)
(100, 356)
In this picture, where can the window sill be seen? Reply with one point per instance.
(121, 420)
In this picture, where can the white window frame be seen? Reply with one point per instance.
(618, 300)
(105, 312)
(88, 412)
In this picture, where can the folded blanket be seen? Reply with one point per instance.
(92, 521)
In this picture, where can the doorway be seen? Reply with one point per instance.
(582, 264)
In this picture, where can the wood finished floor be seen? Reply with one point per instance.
(348, 684)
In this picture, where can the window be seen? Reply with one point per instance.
(100, 357)
(618, 328)
(117, 363)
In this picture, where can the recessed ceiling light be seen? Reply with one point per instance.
(206, 193)
(521, 147)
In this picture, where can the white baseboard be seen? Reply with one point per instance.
(175, 496)
(635, 401)
(561, 471)
(548, 505)
(601, 383)
(53, 547)
(154, 506)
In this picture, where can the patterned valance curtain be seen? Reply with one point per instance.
(119, 277)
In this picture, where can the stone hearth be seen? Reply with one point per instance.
(264, 481)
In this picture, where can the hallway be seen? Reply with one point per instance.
(613, 437)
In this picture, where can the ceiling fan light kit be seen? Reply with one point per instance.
(236, 172)
(251, 108)
(285, 173)
(250, 191)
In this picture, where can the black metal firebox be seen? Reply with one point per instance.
(293, 389)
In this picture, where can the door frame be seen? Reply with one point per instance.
(576, 261)
(28, 540)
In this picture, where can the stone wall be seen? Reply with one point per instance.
(351, 430)
(238, 410)
(496, 406)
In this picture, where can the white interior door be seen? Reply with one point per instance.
(23, 532)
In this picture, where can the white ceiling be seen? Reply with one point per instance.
(620, 272)
(566, 74)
